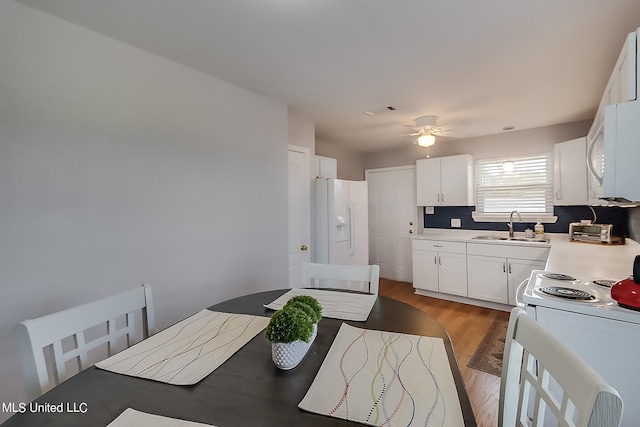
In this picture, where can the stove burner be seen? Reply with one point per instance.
(604, 282)
(570, 293)
(557, 276)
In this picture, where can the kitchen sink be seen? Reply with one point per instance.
(490, 237)
(511, 239)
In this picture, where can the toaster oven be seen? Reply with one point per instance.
(595, 233)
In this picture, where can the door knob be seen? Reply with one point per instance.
(303, 248)
(410, 231)
(410, 222)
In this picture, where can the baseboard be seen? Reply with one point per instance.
(464, 300)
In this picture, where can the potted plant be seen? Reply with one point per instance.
(291, 331)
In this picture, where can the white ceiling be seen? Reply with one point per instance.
(491, 63)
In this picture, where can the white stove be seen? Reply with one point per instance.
(583, 316)
(563, 292)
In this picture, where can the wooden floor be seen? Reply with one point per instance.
(466, 325)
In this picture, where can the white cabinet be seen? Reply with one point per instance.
(326, 167)
(570, 172)
(445, 181)
(440, 266)
(621, 87)
(494, 271)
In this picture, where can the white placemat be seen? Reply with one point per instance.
(131, 417)
(188, 351)
(336, 305)
(384, 378)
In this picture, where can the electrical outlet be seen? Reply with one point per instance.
(428, 210)
(455, 222)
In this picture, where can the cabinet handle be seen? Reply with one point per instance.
(509, 268)
(558, 195)
(437, 246)
(438, 197)
(439, 261)
(504, 267)
(435, 259)
(442, 198)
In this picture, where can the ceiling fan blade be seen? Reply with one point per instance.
(449, 133)
(454, 124)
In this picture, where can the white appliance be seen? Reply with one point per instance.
(586, 319)
(613, 153)
(342, 222)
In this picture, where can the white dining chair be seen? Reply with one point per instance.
(364, 278)
(544, 383)
(56, 346)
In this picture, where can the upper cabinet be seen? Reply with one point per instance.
(623, 82)
(621, 87)
(570, 172)
(326, 167)
(445, 181)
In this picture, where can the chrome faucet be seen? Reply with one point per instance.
(510, 224)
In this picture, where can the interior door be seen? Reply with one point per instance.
(392, 220)
(299, 212)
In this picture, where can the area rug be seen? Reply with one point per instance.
(488, 355)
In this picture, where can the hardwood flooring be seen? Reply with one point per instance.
(466, 325)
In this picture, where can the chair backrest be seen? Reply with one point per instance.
(363, 278)
(59, 345)
(542, 380)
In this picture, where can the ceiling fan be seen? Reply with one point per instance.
(426, 129)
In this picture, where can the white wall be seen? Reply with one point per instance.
(350, 162)
(118, 168)
(512, 143)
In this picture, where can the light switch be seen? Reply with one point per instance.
(428, 210)
(455, 222)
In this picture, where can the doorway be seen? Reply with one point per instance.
(393, 217)
(299, 212)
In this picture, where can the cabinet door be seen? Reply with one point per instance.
(519, 270)
(452, 273)
(487, 278)
(326, 167)
(570, 173)
(425, 270)
(456, 180)
(428, 182)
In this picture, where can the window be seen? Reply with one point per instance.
(528, 188)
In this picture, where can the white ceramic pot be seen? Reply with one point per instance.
(289, 355)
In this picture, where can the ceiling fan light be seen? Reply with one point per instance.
(426, 140)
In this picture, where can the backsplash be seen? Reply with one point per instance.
(624, 220)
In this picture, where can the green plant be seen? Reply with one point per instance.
(288, 325)
(309, 304)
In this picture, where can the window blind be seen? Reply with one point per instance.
(527, 189)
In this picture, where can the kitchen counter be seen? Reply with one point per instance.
(468, 237)
(584, 261)
(590, 261)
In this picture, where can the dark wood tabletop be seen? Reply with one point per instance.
(245, 390)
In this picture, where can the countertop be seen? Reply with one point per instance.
(584, 261)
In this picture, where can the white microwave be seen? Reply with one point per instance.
(613, 154)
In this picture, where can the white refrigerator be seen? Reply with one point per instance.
(342, 222)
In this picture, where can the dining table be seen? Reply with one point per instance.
(247, 389)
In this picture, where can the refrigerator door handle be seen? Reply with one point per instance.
(352, 234)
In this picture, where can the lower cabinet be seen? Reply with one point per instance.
(440, 266)
(495, 271)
